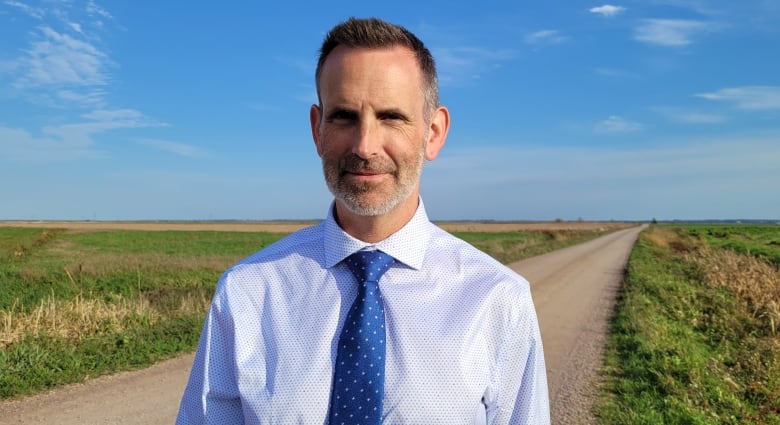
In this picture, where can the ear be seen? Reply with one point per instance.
(437, 134)
(315, 115)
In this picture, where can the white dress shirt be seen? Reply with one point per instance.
(463, 342)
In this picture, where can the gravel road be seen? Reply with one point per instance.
(574, 290)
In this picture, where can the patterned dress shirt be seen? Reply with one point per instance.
(463, 342)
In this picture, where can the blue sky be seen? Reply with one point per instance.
(145, 110)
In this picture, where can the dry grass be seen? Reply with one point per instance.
(751, 279)
(100, 263)
(660, 236)
(82, 317)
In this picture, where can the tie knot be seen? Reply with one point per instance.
(369, 266)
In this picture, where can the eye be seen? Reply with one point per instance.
(341, 116)
(392, 116)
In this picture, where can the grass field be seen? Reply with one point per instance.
(74, 305)
(695, 335)
(758, 241)
(77, 303)
(508, 247)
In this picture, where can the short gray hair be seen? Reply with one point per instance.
(375, 33)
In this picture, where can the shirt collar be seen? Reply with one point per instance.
(408, 245)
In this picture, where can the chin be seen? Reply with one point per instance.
(368, 209)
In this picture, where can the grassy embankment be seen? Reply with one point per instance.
(695, 335)
(508, 247)
(78, 304)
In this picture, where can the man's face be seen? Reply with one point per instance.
(370, 129)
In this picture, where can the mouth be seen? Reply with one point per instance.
(364, 173)
(364, 176)
(360, 170)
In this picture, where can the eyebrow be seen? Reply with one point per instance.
(343, 111)
(395, 112)
(346, 112)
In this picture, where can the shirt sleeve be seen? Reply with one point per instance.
(522, 391)
(211, 395)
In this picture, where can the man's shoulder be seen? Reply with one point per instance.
(446, 242)
(272, 268)
(467, 269)
(447, 247)
(307, 241)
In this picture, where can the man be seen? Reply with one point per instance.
(451, 335)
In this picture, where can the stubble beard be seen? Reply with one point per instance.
(360, 198)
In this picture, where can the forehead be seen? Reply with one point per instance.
(348, 70)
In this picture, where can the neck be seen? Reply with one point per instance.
(373, 229)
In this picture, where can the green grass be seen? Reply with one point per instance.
(151, 289)
(685, 351)
(38, 263)
(41, 362)
(759, 240)
(508, 247)
(85, 303)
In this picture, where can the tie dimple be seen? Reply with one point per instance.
(358, 379)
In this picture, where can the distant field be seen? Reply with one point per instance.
(291, 226)
(761, 241)
(81, 299)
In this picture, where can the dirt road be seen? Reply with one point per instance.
(573, 289)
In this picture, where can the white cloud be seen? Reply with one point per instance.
(617, 124)
(607, 10)
(19, 144)
(26, 9)
(703, 7)
(94, 10)
(670, 32)
(75, 27)
(69, 141)
(700, 177)
(462, 64)
(180, 149)
(545, 37)
(81, 134)
(459, 59)
(747, 97)
(707, 155)
(58, 60)
(698, 118)
(684, 116)
(85, 98)
(63, 63)
(115, 115)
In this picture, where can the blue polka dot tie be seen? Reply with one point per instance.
(359, 376)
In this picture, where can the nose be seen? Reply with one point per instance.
(367, 142)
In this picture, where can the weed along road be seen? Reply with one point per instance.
(574, 290)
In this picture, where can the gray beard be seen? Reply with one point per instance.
(351, 195)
